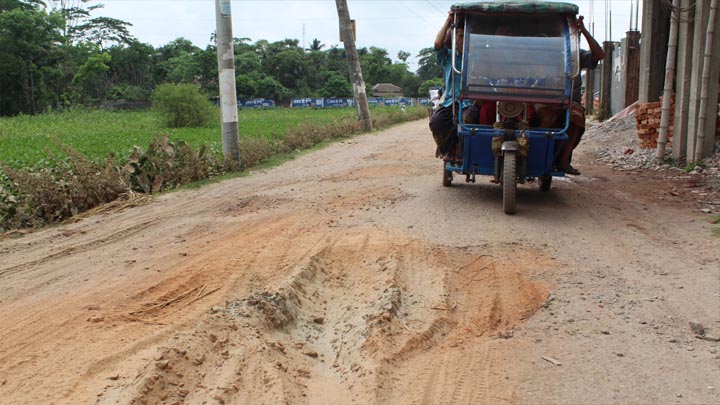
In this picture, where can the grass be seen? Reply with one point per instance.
(54, 166)
(26, 140)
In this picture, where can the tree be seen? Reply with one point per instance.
(7, 5)
(317, 70)
(29, 54)
(92, 76)
(403, 56)
(132, 66)
(411, 86)
(337, 85)
(428, 65)
(246, 86)
(423, 89)
(164, 56)
(182, 69)
(289, 67)
(80, 26)
(316, 45)
(247, 62)
(268, 87)
(103, 31)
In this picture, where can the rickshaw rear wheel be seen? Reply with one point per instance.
(447, 176)
(545, 182)
(509, 182)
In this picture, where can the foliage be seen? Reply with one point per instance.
(29, 53)
(62, 182)
(182, 105)
(167, 165)
(337, 86)
(425, 86)
(428, 65)
(692, 165)
(62, 188)
(91, 77)
(316, 45)
(72, 55)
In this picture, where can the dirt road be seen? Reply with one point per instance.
(350, 275)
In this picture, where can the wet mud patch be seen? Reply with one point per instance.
(349, 314)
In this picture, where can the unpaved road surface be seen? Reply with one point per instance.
(350, 275)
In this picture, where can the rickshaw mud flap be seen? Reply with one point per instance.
(521, 166)
(510, 145)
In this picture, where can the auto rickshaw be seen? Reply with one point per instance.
(518, 58)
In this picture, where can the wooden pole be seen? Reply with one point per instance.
(356, 77)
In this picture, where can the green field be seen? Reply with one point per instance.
(27, 140)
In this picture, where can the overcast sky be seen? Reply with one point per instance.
(394, 25)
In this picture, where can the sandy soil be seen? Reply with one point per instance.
(350, 275)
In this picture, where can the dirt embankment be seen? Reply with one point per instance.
(350, 275)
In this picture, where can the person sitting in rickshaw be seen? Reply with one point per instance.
(442, 125)
(549, 116)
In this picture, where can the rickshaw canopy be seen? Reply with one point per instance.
(523, 51)
(516, 7)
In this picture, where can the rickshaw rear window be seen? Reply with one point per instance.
(510, 56)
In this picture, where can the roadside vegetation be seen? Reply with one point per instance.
(62, 62)
(55, 166)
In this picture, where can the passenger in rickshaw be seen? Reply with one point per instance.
(549, 116)
(487, 113)
(442, 124)
(484, 112)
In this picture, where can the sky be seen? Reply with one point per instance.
(395, 25)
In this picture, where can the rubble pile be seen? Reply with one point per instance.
(617, 145)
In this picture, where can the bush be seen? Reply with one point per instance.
(182, 105)
(167, 165)
(59, 190)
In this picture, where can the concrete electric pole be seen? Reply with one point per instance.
(356, 78)
(226, 75)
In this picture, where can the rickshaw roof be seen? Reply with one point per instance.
(516, 7)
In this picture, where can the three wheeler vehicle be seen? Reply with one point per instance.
(518, 57)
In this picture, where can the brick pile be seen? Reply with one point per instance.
(647, 116)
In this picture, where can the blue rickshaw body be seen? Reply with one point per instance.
(521, 54)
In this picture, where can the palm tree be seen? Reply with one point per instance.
(316, 45)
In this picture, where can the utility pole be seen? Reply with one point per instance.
(226, 76)
(356, 78)
(669, 81)
(606, 80)
(700, 147)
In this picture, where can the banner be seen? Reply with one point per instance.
(256, 103)
(334, 102)
(306, 102)
(338, 102)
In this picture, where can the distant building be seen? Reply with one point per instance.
(387, 90)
